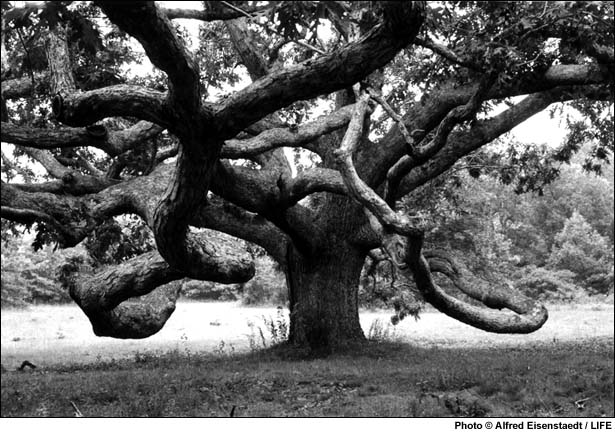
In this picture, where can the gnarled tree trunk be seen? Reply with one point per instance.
(323, 297)
(323, 282)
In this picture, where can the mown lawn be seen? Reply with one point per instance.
(380, 379)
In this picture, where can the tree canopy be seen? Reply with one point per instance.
(348, 110)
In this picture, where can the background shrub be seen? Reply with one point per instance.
(268, 286)
(205, 290)
(547, 284)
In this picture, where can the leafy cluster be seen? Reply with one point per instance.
(115, 240)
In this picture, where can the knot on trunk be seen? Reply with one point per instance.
(96, 131)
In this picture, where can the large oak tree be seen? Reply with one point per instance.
(411, 86)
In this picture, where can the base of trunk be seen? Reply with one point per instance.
(323, 295)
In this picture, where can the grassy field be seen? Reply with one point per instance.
(431, 367)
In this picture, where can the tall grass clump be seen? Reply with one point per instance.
(272, 331)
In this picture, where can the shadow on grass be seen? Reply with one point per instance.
(369, 379)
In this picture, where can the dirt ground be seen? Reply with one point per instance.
(52, 335)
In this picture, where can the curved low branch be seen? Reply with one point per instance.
(494, 297)
(103, 297)
(526, 316)
(128, 301)
(223, 216)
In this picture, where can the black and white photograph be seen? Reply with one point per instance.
(392, 210)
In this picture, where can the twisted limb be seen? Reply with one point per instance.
(404, 242)
(134, 300)
(524, 315)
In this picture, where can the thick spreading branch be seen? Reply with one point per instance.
(375, 161)
(357, 187)
(151, 27)
(193, 174)
(258, 191)
(22, 87)
(462, 143)
(244, 42)
(417, 156)
(83, 109)
(184, 251)
(526, 316)
(78, 216)
(302, 136)
(219, 260)
(326, 73)
(125, 301)
(71, 181)
(111, 142)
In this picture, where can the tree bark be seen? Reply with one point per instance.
(323, 282)
(323, 298)
(123, 302)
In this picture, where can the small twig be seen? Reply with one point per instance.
(78, 412)
(580, 404)
(236, 9)
(543, 404)
(241, 11)
(89, 166)
(408, 137)
(447, 53)
(25, 364)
